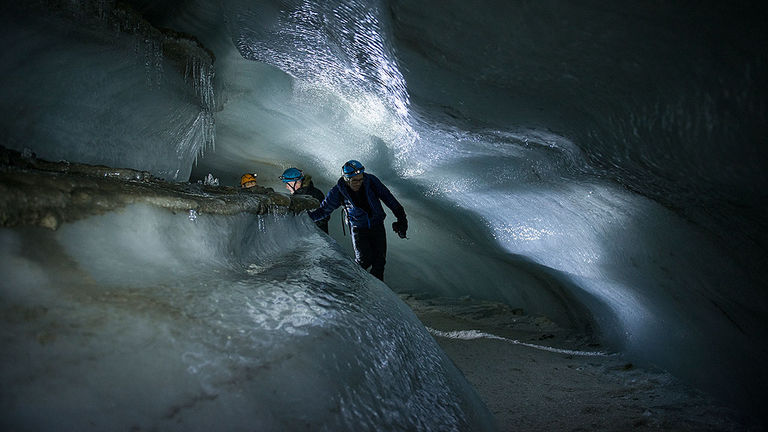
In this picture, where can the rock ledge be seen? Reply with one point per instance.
(37, 192)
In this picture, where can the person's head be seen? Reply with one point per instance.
(293, 179)
(248, 180)
(352, 171)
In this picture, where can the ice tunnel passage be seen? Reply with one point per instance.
(595, 164)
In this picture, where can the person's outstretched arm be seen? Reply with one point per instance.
(331, 202)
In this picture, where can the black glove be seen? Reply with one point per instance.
(400, 227)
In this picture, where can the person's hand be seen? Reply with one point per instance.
(400, 227)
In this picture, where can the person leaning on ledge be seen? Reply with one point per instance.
(247, 181)
(298, 183)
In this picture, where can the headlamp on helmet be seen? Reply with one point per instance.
(292, 175)
(247, 178)
(351, 169)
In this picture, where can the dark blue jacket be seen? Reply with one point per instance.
(374, 190)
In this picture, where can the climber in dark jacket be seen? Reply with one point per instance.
(299, 184)
(361, 194)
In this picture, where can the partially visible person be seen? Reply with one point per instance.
(247, 181)
(300, 184)
(361, 194)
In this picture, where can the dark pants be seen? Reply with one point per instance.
(371, 248)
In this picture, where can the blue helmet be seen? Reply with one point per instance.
(292, 175)
(352, 168)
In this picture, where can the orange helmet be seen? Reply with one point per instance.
(247, 177)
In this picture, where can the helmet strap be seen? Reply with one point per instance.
(293, 185)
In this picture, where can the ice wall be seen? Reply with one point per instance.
(619, 144)
(95, 83)
(272, 119)
(594, 163)
(602, 156)
(147, 319)
(668, 100)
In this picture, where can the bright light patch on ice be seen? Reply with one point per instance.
(523, 232)
(539, 200)
(347, 87)
(371, 111)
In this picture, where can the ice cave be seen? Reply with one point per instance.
(585, 184)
